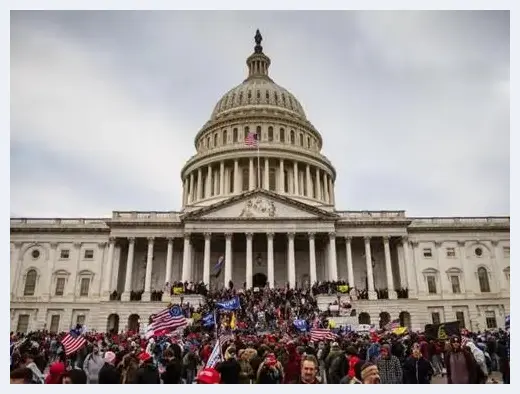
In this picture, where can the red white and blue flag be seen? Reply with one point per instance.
(217, 269)
(322, 334)
(166, 321)
(251, 140)
(73, 341)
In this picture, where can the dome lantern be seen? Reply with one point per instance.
(258, 62)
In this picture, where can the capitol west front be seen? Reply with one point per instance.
(272, 215)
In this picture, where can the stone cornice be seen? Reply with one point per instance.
(446, 224)
(237, 151)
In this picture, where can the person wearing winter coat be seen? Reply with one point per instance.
(108, 374)
(270, 371)
(389, 367)
(92, 365)
(416, 369)
(480, 359)
(147, 372)
(460, 364)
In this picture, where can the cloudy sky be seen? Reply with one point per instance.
(413, 106)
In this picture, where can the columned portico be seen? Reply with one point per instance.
(129, 268)
(249, 260)
(291, 267)
(149, 267)
(228, 265)
(370, 273)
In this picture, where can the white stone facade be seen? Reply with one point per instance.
(278, 225)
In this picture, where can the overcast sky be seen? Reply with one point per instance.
(413, 106)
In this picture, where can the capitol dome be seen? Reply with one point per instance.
(288, 159)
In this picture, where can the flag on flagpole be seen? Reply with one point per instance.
(216, 355)
(167, 320)
(394, 324)
(217, 269)
(251, 139)
(73, 341)
(322, 334)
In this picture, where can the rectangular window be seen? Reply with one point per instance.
(455, 284)
(235, 135)
(64, 254)
(80, 319)
(88, 254)
(450, 252)
(55, 323)
(60, 286)
(85, 284)
(491, 320)
(245, 179)
(23, 323)
(436, 318)
(427, 252)
(432, 285)
(282, 135)
(507, 252)
(460, 318)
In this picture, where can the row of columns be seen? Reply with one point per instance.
(228, 266)
(318, 183)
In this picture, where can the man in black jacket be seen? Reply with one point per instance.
(416, 369)
(108, 374)
(147, 372)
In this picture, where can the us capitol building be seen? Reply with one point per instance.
(271, 213)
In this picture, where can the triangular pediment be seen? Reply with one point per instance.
(260, 205)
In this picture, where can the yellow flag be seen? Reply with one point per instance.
(233, 322)
(332, 324)
(178, 290)
(343, 289)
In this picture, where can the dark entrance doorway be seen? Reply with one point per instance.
(259, 280)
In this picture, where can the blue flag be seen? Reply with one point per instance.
(229, 305)
(217, 269)
(208, 320)
(301, 325)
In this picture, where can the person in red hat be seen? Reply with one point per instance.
(147, 372)
(208, 376)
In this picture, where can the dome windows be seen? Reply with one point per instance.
(282, 135)
(235, 135)
(240, 98)
(224, 137)
(259, 133)
(292, 137)
(270, 134)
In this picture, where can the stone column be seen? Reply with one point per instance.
(192, 188)
(209, 181)
(169, 260)
(207, 257)
(199, 184)
(392, 295)
(281, 188)
(326, 187)
(185, 191)
(312, 259)
(308, 181)
(251, 174)
(270, 260)
(350, 266)
(222, 177)
(295, 176)
(249, 260)
(228, 264)
(236, 188)
(372, 295)
(331, 191)
(149, 267)
(186, 262)
(317, 185)
(291, 267)
(333, 264)
(411, 278)
(129, 267)
(110, 264)
(266, 174)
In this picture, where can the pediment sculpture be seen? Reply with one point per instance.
(258, 207)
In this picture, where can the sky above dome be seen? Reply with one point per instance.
(413, 107)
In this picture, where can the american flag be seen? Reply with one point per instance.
(252, 139)
(394, 324)
(216, 355)
(73, 341)
(167, 320)
(322, 334)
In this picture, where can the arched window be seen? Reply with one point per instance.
(282, 135)
(235, 135)
(215, 140)
(224, 137)
(483, 280)
(270, 134)
(301, 139)
(259, 133)
(292, 137)
(30, 283)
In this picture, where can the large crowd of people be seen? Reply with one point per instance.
(262, 345)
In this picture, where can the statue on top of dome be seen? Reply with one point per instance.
(258, 40)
